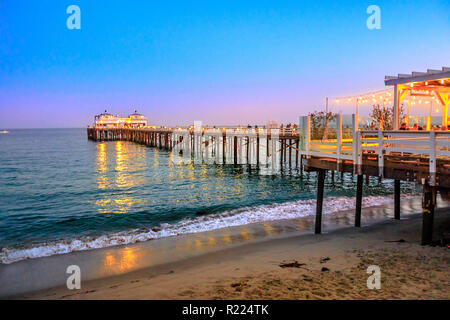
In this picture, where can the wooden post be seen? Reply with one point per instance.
(224, 150)
(359, 186)
(428, 203)
(320, 185)
(257, 149)
(290, 152)
(397, 199)
(235, 149)
(301, 164)
(296, 152)
(247, 150)
(281, 151)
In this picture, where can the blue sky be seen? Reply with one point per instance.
(223, 62)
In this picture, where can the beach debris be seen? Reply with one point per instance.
(294, 264)
(156, 229)
(323, 260)
(399, 240)
(325, 269)
(238, 286)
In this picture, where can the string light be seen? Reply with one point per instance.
(381, 95)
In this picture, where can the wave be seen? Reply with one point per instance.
(237, 217)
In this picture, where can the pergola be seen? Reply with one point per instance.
(427, 84)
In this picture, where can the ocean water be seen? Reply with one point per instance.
(60, 193)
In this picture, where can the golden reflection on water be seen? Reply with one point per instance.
(102, 179)
(127, 158)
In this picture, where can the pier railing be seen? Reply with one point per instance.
(429, 146)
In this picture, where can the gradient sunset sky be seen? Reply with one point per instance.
(222, 62)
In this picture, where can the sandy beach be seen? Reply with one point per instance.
(327, 266)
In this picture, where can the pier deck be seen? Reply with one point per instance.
(422, 157)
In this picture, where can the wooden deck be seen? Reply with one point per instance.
(422, 157)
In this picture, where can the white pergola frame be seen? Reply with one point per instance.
(436, 82)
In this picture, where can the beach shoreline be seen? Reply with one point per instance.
(251, 270)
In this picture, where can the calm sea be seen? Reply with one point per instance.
(60, 192)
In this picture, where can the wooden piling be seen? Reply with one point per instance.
(290, 152)
(428, 204)
(235, 149)
(397, 199)
(319, 204)
(359, 187)
(257, 149)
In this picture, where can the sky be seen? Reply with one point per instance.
(222, 62)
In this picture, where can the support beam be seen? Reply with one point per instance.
(235, 144)
(397, 199)
(359, 187)
(319, 204)
(428, 203)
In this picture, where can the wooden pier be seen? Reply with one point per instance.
(276, 147)
(422, 157)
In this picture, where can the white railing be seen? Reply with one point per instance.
(430, 145)
(339, 148)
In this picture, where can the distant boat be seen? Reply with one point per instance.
(4, 131)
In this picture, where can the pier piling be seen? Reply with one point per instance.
(358, 205)
(428, 204)
(397, 199)
(319, 204)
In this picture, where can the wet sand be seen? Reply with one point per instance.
(327, 266)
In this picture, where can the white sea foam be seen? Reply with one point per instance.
(242, 216)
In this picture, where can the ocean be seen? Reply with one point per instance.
(61, 193)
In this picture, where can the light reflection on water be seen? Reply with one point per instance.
(61, 186)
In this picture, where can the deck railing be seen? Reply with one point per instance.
(429, 145)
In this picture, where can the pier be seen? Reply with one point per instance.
(419, 156)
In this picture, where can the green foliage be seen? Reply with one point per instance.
(319, 125)
(385, 115)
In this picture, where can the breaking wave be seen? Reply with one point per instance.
(237, 217)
